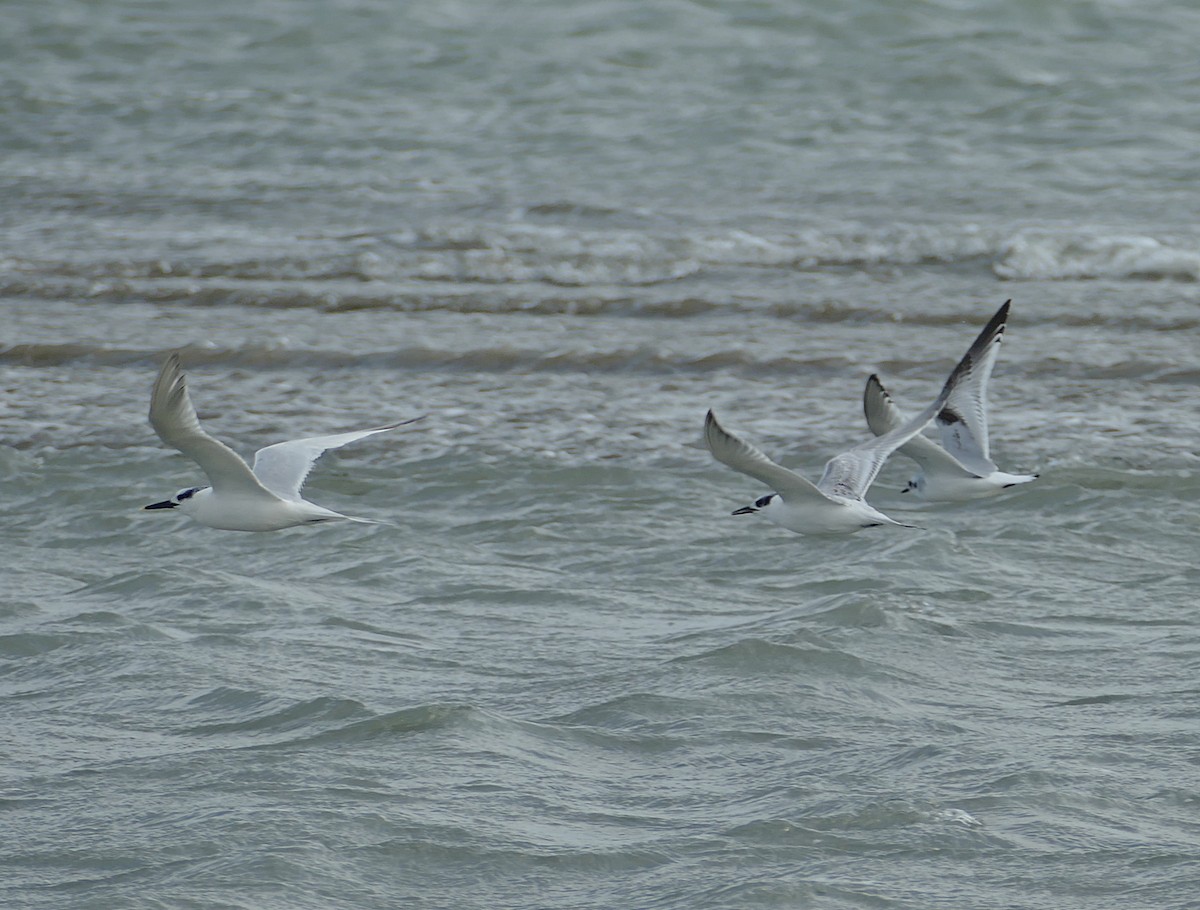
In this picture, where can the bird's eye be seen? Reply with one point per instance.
(763, 501)
(187, 494)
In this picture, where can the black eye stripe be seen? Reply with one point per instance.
(188, 494)
(762, 501)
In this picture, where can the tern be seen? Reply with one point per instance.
(240, 498)
(835, 503)
(960, 468)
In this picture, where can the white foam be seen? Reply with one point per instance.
(1050, 254)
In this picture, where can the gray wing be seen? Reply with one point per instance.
(283, 467)
(851, 473)
(962, 423)
(883, 416)
(741, 456)
(174, 420)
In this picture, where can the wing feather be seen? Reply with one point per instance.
(174, 420)
(851, 473)
(742, 456)
(962, 423)
(283, 467)
(883, 415)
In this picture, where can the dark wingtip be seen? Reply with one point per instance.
(402, 423)
(874, 380)
(996, 323)
(713, 431)
(989, 335)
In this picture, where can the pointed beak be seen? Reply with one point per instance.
(744, 510)
(165, 504)
(906, 490)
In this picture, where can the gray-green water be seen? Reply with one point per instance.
(564, 676)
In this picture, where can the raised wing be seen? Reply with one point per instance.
(741, 456)
(962, 423)
(174, 420)
(851, 473)
(883, 416)
(283, 467)
(881, 413)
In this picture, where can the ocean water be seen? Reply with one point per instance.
(560, 674)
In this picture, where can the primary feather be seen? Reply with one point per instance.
(174, 420)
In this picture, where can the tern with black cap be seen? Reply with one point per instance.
(240, 498)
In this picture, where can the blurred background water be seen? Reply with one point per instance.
(563, 675)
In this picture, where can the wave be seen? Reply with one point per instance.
(571, 256)
(31, 644)
(628, 360)
(497, 359)
(1057, 255)
(299, 715)
(759, 655)
(444, 265)
(318, 712)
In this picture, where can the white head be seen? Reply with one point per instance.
(916, 485)
(184, 500)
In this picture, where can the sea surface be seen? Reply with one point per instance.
(559, 673)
